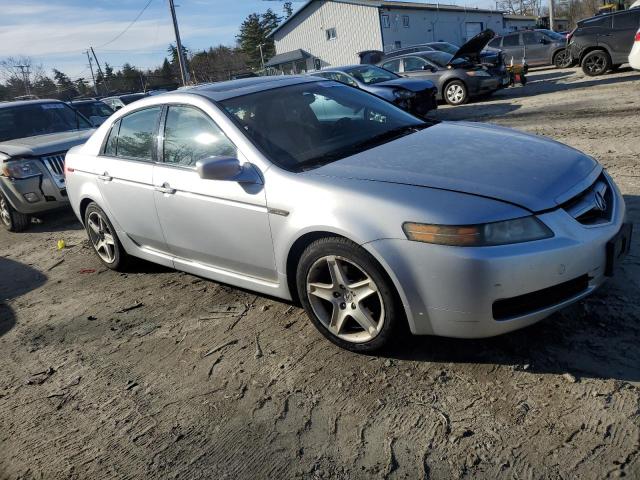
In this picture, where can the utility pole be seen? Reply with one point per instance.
(100, 70)
(550, 14)
(25, 77)
(93, 77)
(181, 61)
(261, 55)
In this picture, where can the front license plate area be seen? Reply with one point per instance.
(617, 248)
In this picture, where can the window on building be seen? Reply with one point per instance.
(331, 33)
(405, 21)
(397, 44)
(385, 21)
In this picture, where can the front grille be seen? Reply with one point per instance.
(55, 163)
(593, 206)
(508, 308)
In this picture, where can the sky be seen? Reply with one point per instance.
(56, 33)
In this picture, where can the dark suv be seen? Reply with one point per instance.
(603, 42)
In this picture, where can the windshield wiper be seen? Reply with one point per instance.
(374, 141)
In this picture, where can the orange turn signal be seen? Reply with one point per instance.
(443, 234)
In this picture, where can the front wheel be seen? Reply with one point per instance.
(596, 63)
(562, 59)
(455, 93)
(347, 295)
(103, 238)
(11, 219)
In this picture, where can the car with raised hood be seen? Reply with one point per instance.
(456, 78)
(34, 138)
(603, 43)
(534, 47)
(310, 190)
(413, 95)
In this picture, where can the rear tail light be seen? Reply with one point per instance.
(570, 34)
(638, 36)
(67, 169)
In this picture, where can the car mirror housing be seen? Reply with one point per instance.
(226, 169)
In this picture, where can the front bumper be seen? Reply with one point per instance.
(451, 291)
(421, 104)
(42, 190)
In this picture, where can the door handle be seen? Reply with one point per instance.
(105, 177)
(165, 188)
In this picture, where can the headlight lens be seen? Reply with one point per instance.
(403, 94)
(20, 168)
(478, 73)
(525, 229)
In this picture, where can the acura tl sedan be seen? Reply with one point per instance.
(310, 190)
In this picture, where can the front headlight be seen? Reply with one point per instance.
(403, 94)
(525, 229)
(478, 73)
(20, 168)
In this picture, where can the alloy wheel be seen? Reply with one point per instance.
(5, 214)
(345, 299)
(595, 64)
(101, 237)
(563, 59)
(455, 93)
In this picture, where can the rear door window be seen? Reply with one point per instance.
(495, 43)
(393, 66)
(414, 64)
(598, 22)
(531, 38)
(136, 138)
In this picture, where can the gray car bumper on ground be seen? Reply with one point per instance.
(452, 291)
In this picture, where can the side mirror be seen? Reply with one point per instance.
(226, 168)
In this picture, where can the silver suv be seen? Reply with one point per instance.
(34, 138)
(538, 47)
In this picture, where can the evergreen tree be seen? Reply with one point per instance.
(253, 33)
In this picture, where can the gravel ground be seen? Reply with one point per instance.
(160, 374)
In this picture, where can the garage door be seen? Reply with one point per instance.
(472, 29)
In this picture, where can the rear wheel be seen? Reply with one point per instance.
(455, 93)
(347, 295)
(562, 59)
(103, 238)
(11, 219)
(596, 63)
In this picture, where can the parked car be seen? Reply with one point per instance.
(473, 51)
(308, 189)
(34, 137)
(603, 43)
(634, 56)
(95, 110)
(537, 47)
(457, 79)
(118, 101)
(413, 95)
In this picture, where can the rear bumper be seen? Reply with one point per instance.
(35, 194)
(460, 292)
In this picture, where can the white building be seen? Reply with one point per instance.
(513, 23)
(332, 32)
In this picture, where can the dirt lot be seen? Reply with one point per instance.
(160, 374)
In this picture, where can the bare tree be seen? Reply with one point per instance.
(521, 7)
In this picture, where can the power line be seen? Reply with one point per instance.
(127, 27)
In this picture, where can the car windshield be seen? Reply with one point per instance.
(369, 75)
(304, 126)
(93, 109)
(552, 34)
(30, 120)
(445, 47)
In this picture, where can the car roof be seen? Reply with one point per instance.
(219, 91)
(17, 103)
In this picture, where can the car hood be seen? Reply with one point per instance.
(44, 144)
(413, 85)
(489, 161)
(473, 47)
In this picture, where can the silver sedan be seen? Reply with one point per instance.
(313, 191)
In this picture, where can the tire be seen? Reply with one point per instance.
(456, 93)
(103, 238)
(347, 295)
(562, 59)
(10, 218)
(596, 63)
